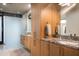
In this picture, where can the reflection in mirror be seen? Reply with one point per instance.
(71, 17)
(27, 23)
(62, 27)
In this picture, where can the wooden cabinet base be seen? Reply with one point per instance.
(45, 48)
(70, 52)
(35, 49)
(26, 41)
(54, 50)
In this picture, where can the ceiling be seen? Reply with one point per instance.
(19, 8)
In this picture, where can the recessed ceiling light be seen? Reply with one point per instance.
(4, 4)
(29, 5)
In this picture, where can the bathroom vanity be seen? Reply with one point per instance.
(52, 45)
(26, 41)
(63, 47)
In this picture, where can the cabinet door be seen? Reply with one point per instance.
(35, 49)
(36, 14)
(26, 42)
(29, 43)
(54, 50)
(42, 48)
(70, 52)
(45, 48)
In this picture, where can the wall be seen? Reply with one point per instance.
(12, 31)
(72, 18)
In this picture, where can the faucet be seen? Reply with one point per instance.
(71, 36)
(75, 37)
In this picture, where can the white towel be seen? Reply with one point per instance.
(49, 29)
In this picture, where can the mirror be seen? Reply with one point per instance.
(69, 23)
(62, 27)
(28, 23)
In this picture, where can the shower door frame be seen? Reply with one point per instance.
(2, 27)
(2, 14)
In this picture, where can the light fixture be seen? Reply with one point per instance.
(4, 4)
(29, 5)
(64, 4)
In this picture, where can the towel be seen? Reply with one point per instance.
(49, 29)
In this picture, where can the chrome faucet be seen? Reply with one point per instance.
(75, 37)
(71, 36)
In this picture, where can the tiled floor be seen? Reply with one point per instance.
(13, 48)
(14, 52)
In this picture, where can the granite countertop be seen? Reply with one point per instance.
(26, 34)
(46, 39)
(64, 42)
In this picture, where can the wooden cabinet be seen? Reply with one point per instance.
(22, 39)
(35, 49)
(45, 48)
(26, 41)
(29, 43)
(42, 14)
(70, 52)
(36, 17)
(55, 50)
(58, 50)
(51, 15)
